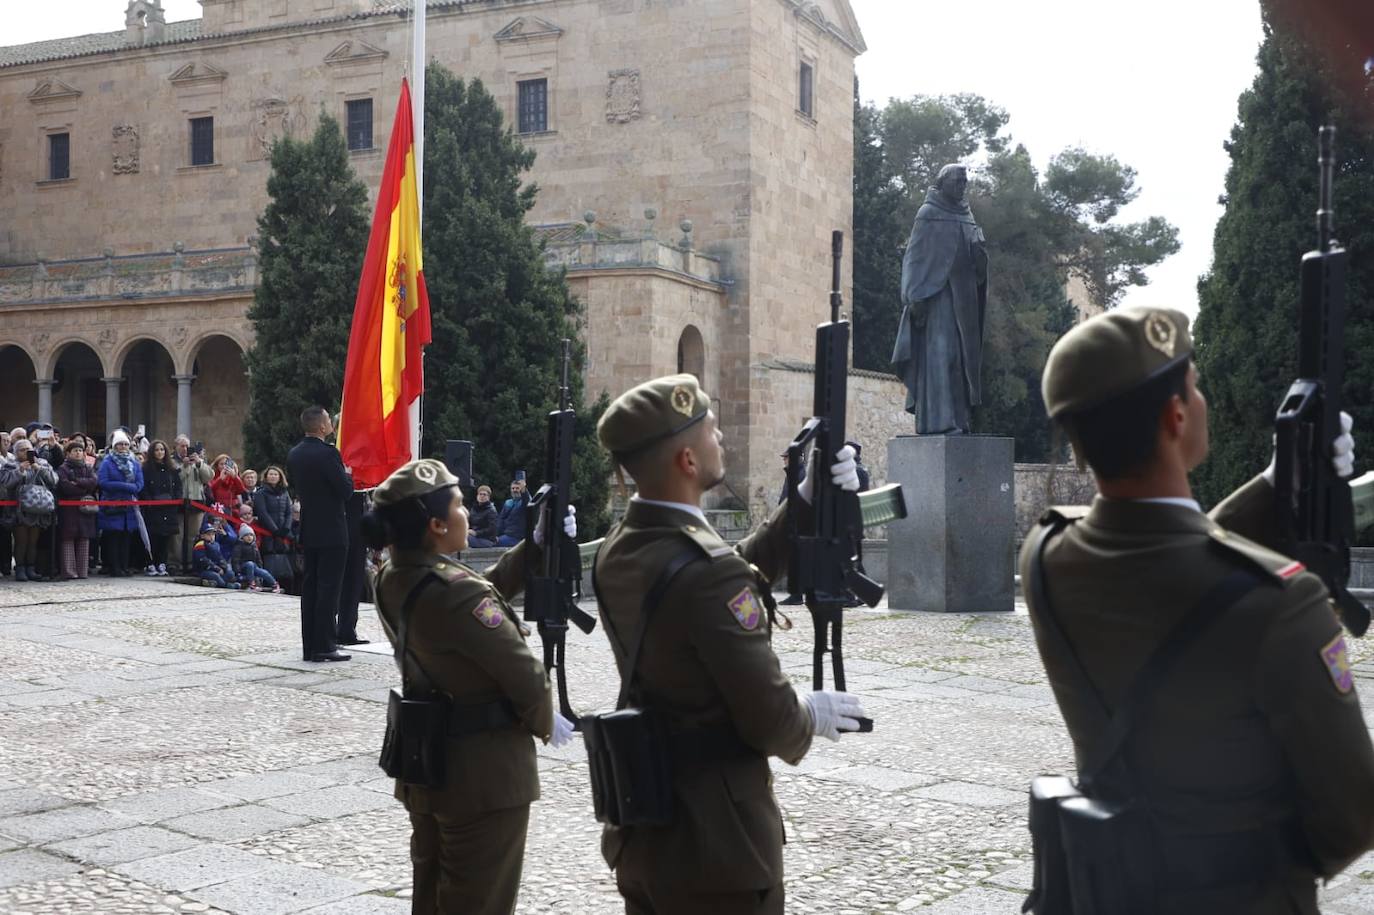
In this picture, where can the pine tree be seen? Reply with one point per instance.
(499, 313)
(313, 235)
(1247, 322)
(878, 240)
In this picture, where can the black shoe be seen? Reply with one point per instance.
(332, 656)
(792, 600)
(355, 641)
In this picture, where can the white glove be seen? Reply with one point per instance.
(562, 730)
(832, 713)
(569, 525)
(844, 473)
(1342, 452)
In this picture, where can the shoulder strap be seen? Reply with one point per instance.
(651, 601)
(1201, 616)
(402, 630)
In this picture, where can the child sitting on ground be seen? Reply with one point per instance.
(208, 561)
(247, 562)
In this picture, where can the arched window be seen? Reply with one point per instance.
(691, 352)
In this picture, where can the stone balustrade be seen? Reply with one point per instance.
(136, 276)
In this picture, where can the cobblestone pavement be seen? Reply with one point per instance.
(163, 749)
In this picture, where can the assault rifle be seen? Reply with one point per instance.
(824, 565)
(552, 573)
(1316, 515)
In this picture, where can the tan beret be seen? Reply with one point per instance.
(418, 478)
(1113, 354)
(651, 412)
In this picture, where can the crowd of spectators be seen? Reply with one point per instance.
(248, 539)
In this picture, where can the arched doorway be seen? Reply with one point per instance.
(219, 396)
(19, 405)
(691, 352)
(151, 396)
(79, 392)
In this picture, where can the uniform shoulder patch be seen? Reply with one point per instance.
(488, 613)
(1337, 662)
(746, 609)
(1277, 567)
(451, 572)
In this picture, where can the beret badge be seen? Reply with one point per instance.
(1161, 334)
(682, 400)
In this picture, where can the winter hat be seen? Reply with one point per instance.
(246, 530)
(21, 445)
(119, 436)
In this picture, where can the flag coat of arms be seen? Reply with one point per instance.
(391, 325)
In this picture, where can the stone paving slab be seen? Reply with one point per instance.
(64, 823)
(17, 801)
(364, 905)
(188, 870)
(156, 806)
(277, 889)
(28, 865)
(230, 824)
(124, 845)
(328, 803)
(269, 784)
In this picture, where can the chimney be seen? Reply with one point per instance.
(144, 22)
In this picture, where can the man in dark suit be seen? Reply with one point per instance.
(355, 573)
(324, 487)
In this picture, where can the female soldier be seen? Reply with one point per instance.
(468, 838)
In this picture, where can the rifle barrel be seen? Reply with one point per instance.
(1326, 158)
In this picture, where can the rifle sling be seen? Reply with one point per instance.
(1116, 724)
(402, 631)
(652, 599)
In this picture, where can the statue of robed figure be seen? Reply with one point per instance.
(939, 350)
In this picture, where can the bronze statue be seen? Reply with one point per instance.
(939, 350)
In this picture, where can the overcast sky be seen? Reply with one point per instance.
(1153, 82)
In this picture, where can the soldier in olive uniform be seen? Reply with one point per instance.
(1253, 758)
(468, 841)
(707, 664)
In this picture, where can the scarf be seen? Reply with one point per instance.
(124, 463)
(948, 212)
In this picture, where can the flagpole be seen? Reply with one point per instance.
(417, 101)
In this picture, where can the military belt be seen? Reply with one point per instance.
(1254, 856)
(709, 745)
(483, 716)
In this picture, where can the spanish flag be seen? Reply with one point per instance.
(384, 375)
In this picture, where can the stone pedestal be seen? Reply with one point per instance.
(953, 551)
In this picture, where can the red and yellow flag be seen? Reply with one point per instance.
(384, 376)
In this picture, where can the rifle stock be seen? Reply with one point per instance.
(552, 574)
(1315, 510)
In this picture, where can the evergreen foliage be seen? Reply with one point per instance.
(312, 238)
(1247, 327)
(499, 314)
(1039, 228)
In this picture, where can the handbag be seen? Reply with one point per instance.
(416, 735)
(36, 499)
(90, 505)
(1095, 856)
(629, 756)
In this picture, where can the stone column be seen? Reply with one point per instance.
(45, 386)
(184, 403)
(112, 420)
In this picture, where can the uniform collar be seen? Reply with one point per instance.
(1147, 516)
(694, 510)
(416, 558)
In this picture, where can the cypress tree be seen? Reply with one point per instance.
(313, 235)
(499, 313)
(1247, 327)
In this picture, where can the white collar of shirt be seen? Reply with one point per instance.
(1173, 500)
(679, 506)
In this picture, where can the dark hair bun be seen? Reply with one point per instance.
(377, 533)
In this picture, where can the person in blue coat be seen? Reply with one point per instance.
(121, 479)
(510, 526)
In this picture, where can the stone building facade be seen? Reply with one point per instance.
(693, 158)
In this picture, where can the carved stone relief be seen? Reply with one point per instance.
(106, 338)
(40, 342)
(622, 96)
(179, 336)
(125, 149)
(273, 119)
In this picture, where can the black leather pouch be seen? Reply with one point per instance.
(1050, 890)
(631, 768)
(416, 738)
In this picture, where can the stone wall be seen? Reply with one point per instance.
(1071, 487)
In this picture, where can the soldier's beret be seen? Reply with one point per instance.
(1113, 354)
(418, 478)
(651, 412)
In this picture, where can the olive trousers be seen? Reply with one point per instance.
(642, 899)
(468, 865)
